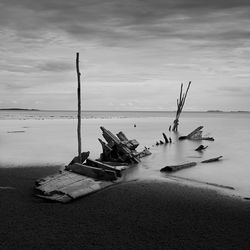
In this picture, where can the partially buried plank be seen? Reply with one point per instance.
(67, 186)
(174, 168)
(212, 159)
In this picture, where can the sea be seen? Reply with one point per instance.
(48, 138)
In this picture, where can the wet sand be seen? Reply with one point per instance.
(134, 215)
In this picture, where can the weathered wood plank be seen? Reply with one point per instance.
(200, 148)
(174, 168)
(122, 136)
(93, 172)
(212, 159)
(101, 165)
(67, 186)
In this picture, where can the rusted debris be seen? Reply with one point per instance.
(180, 105)
(174, 168)
(196, 135)
(119, 148)
(201, 148)
(212, 159)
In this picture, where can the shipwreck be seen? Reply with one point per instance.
(83, 176)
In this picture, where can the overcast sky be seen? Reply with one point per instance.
(134, 54)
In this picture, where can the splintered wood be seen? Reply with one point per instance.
(196, 135)
(119, 148)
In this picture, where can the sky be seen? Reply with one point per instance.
(134, 54)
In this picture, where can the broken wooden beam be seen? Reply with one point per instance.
(201, 147)
(196, 135)
(143, 153)
(173, 168)
(84, 157)
(122, 136)
(101, 165)
(212, 159)
(90, 171)
(119, 148)
(165, 138)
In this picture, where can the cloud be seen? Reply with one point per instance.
(115, 22)
(231, 89)
(123, 45)
(13, 86)
(55, 66)
(235, 91)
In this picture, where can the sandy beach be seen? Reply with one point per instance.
(134, 215)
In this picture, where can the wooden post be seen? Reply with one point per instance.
(79, 108)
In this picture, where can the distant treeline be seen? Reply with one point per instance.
(20, 109)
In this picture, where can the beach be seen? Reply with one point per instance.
(144, 214)
(204, 207)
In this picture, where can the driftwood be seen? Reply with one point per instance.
(201, 147)
(173, 168)
(178, 167)
(196, 135)
(212, 159)
(180, 105)
(119, 148)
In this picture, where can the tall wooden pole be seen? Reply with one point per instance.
(79, 108)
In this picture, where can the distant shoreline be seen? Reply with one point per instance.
(123, 111)
(18, 109)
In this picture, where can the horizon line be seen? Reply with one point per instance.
(59, 110)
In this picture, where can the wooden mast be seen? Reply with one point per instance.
(79, 108)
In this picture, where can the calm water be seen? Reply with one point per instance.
(47, 138)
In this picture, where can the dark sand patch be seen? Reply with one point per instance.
(134, 215)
